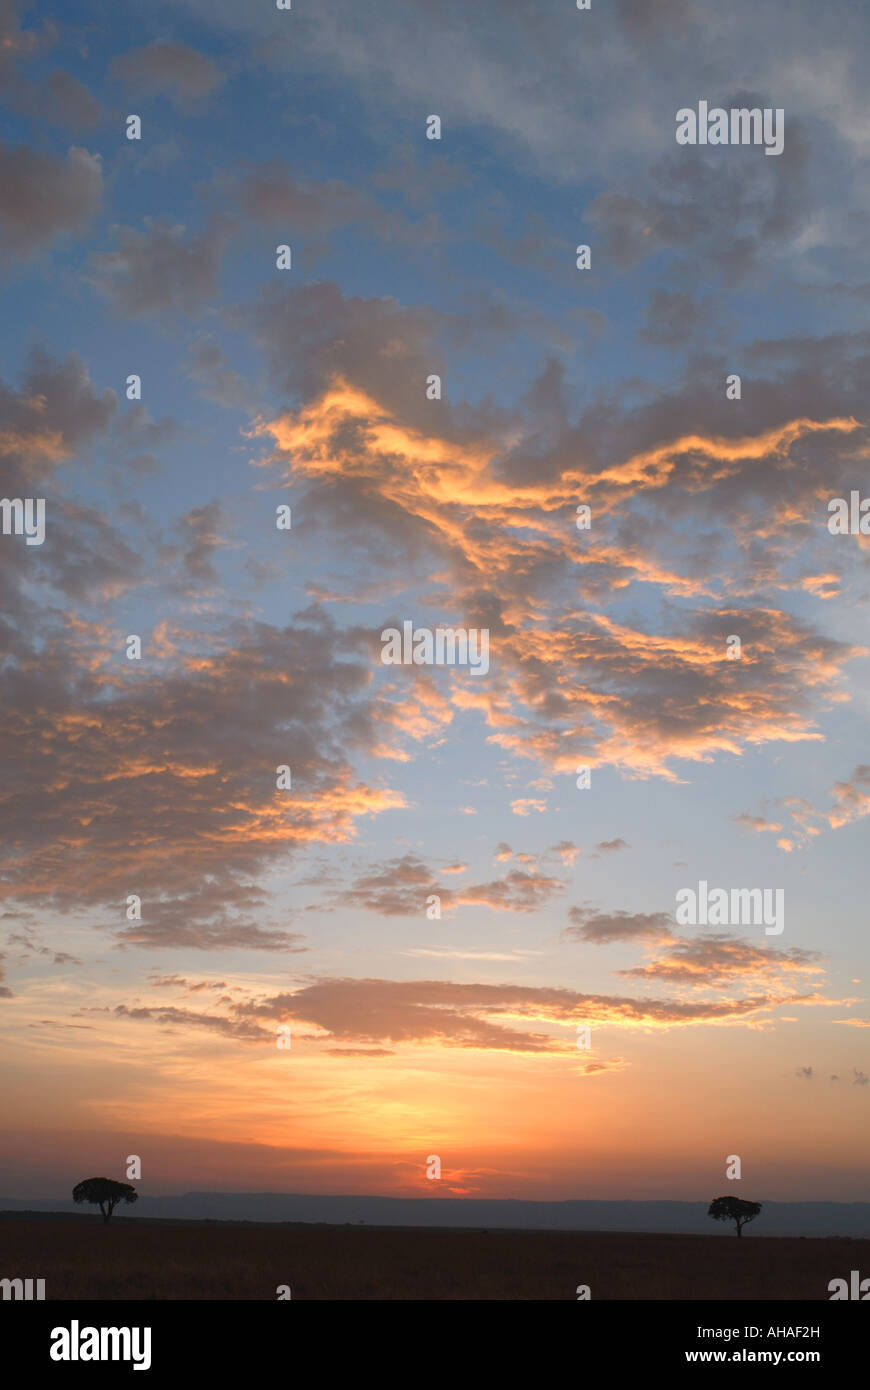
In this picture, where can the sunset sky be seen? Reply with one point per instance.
(306, 387)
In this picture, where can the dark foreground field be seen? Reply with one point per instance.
(82, 1259)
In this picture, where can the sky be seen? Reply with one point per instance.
(468, 867)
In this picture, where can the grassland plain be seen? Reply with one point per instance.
(136, 1259)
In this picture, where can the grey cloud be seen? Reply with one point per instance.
(719, 958)
(313, 333)
(270, 194)
(673, 318)
(200, 531)
(17, 44)
(466, 1015)
(85, 555)
(158, 270)
(171, 68)
(207, 363)
(43, 427)
(164, 785)
(57, 411)
(604, 927)
(400, 888)
(189, 1018)
(733, 211)
(42, 196)
(648, 18)
(5, 992)
(69, 102)
(135, 429)
(420, 177)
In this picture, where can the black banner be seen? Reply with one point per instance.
(194, 1338)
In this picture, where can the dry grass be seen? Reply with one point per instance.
(82, 1259)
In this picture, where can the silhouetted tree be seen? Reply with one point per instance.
(105, 1192)
(733, 1209)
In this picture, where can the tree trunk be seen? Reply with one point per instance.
(739, 1227)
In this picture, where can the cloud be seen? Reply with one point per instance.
(311, 333)
(163, 784)
(156, 270)
(612, 846)
(172, 1018)
(456, 500)
(604, 927)
(179, 982)
(208, 364)
(43, 197)
(169, 68)
(734, 212)
(674, 318)
(269, 194)
(420, 178)
(69, 102)
(86, 556)
(823, 586)
(516, 892)
(851, 802)
(135, 429)
(395, 888)
(756, 823)
(474, 1015)
(649, 18)
(30, 944)
(57, 411)
(216, 916)
(44, 427)
(851, 798)
(18, 45)
(200, 531)
(400, 888)
(721, 959)
(566, 850)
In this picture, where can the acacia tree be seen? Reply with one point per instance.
(105, 1192)
(733, 1209)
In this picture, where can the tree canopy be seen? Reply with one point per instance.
(733, 1209)
(105, 1193)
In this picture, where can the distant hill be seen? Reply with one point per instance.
(776, 1219)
